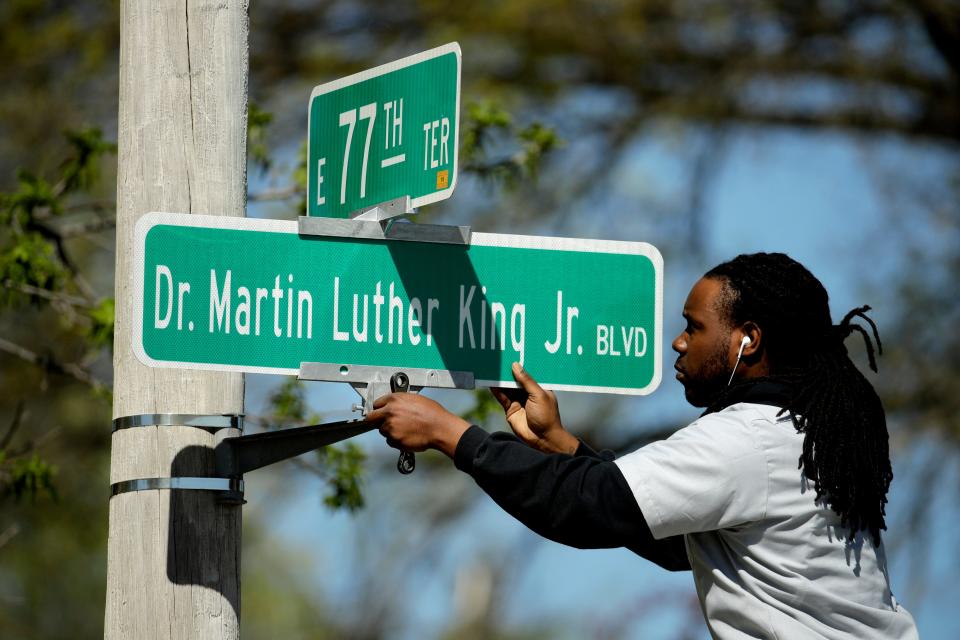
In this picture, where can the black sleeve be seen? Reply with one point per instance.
(581, 500)
(583, 449)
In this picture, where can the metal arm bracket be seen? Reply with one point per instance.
(385, 221)
(238, 455)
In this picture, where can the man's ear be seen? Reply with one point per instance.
(751, 330)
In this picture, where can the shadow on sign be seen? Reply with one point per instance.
(473, 331)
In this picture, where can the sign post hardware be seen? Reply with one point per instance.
(238, 455)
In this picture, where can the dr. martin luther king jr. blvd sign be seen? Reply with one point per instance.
(250, 295)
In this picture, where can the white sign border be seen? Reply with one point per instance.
(152, 219)
(396, 65)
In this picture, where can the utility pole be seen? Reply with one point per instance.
(173, 560)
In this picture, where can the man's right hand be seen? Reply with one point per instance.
(533, 414)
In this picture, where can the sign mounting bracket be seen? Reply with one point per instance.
(371, 382)
(390, 228)
(388, 210)
(238, 455)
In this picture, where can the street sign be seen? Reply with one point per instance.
(242, 294)
(385, 133)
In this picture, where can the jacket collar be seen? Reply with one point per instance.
(758, 391)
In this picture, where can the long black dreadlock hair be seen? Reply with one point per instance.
(845, 445)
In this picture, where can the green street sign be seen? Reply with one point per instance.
(240, 294)
(385, 133)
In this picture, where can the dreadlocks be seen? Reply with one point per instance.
(845, 448)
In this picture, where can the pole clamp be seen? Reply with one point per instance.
(232, 485)
(211, 423)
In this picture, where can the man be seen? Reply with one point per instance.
(774, 497)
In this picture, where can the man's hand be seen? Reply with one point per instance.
(411, 422)
(533, 414)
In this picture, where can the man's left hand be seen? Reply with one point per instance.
(411, 422)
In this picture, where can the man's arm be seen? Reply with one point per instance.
(582, 500)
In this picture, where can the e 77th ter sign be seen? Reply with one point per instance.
(251, 295)
(385, 133)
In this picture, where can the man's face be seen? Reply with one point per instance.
(704, 362)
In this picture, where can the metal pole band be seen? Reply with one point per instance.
(208, 423)
(234, 485)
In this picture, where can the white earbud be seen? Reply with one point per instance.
(744, 341)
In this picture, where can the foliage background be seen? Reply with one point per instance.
(828, 129)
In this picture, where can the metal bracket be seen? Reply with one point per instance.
(385, 230)
(385, 210)
(371, 382)
(240, 454)
(211, 423)
(379, 223)
(231, 485)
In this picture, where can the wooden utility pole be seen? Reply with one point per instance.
(174, 555)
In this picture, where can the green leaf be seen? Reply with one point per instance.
(31, 476)
(488, 125)
(82, 169)
(481, 118)
(257, 121)
(538, 141)
(287, 404)
(28, 259)
(33, 193)
(345, 466)
(100, 332)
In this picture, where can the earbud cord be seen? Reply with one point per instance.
(739, 355)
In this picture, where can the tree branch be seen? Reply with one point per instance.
(53, 296)
(76, 229)
(48, 364)
(54, 236)
(14, 425)
(942, 23)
